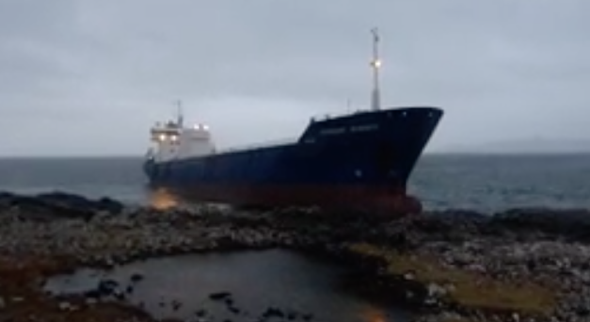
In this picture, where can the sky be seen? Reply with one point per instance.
(81, 77)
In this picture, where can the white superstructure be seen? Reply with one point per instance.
(173, 141)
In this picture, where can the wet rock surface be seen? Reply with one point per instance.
(520, 265)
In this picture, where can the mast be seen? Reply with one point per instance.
(375, 64)
(180, 118)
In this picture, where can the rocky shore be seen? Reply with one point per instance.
(519, 265)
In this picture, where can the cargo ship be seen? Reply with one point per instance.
(355, 161)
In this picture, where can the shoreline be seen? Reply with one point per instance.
(446, 266)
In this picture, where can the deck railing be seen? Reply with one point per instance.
(327, 116)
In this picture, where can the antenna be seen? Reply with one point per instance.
(180, 116)
(375, 64)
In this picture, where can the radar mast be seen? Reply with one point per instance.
(375, 64)
(180, 117)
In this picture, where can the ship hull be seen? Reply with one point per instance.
(328, 197)
(358, 161)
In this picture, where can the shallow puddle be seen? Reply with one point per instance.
(302, 288)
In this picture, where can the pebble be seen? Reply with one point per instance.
(507, 247)
(65, 306)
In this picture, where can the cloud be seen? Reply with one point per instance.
(94, 75)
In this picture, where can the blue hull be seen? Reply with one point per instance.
(361, 159)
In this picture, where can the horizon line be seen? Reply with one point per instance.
(425, 153)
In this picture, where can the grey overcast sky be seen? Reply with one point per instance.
(81, 77)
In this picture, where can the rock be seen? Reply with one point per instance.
(234, 309)
(65, 306)
(515, 317)
(273, 312)
(540, 245)
(107, 287)
(136, 277)
(176, 305)
(436, 291)
(219, 295)
(409, 276)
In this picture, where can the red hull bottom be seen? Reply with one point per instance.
(379, 200)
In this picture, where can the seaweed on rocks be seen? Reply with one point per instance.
(48, 206)
(78, 202)
(571, 224)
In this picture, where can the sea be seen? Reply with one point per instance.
(485, 183)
